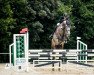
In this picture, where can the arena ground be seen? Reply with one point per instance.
(67, 69)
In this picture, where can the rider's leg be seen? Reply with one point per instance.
(54, 29)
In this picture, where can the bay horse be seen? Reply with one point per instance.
(59, 36)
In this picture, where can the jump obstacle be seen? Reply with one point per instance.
(20, 53)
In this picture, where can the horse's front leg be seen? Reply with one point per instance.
(53, 44)
(62, 45)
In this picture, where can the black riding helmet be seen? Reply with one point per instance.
(67, 19)
(61, 19)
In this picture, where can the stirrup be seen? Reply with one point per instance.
(50, 36)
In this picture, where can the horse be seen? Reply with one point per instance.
(60, 36)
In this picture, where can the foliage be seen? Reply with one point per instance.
(84, 20)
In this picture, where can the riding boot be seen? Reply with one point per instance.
(50, 35)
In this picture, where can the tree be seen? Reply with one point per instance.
(83, 20)
(6, 22)
(42, 15)
(6, 25)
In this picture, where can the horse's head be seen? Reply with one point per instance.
(66, 23)
(66, 28)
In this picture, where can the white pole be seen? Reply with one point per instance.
(77, 48)
(14, 40)
(27, 48)
(10, 54)
(86, 54)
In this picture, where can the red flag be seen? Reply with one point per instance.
(24, 30)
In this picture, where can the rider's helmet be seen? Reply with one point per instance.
(61, 19)
(66, 16)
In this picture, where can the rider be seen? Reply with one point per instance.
(65, 19)
(60, 21)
